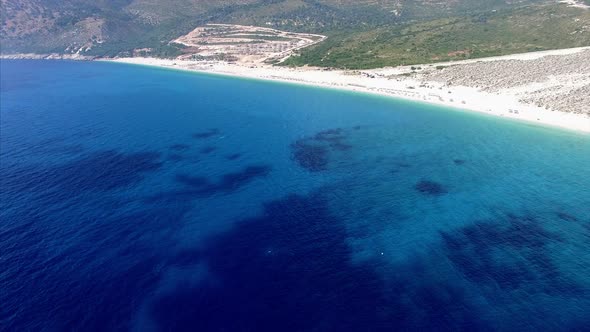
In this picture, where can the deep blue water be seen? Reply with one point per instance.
(146, 199)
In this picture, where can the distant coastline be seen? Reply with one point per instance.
(46, 56)
(396, 82)
(443, 84)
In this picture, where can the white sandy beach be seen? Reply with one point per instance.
(402, 82)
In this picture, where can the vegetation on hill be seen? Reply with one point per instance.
(530, 28)
(362, 33)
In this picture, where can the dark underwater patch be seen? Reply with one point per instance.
(103, 267)
(340, 146)
(330, 135)
(179, 147)
(459, 161)
(313, 153)
(175, 157)
(207, 134)
(399, 166)
(430, 188)
(233, 156)
(289, 270)
(262, 263)
(207, 149)
(96, 172)
(106, 170)
(193, 181)
(511, 253)
(565, 216)
(233, 181)
(198, 186)
(311, 157)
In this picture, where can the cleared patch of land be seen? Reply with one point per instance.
(243, 44)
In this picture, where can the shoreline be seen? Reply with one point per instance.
(46, 56)
(392, 82)
(367, 81)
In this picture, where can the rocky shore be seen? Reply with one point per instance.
(555, 82)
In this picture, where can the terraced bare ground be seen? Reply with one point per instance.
(244, 44)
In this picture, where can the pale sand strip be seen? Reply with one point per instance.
(375, 81)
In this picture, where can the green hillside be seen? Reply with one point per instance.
(526, 29)
(362, 34)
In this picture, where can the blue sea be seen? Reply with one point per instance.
(146, 199)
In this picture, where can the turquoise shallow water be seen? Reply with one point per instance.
(138, 198)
